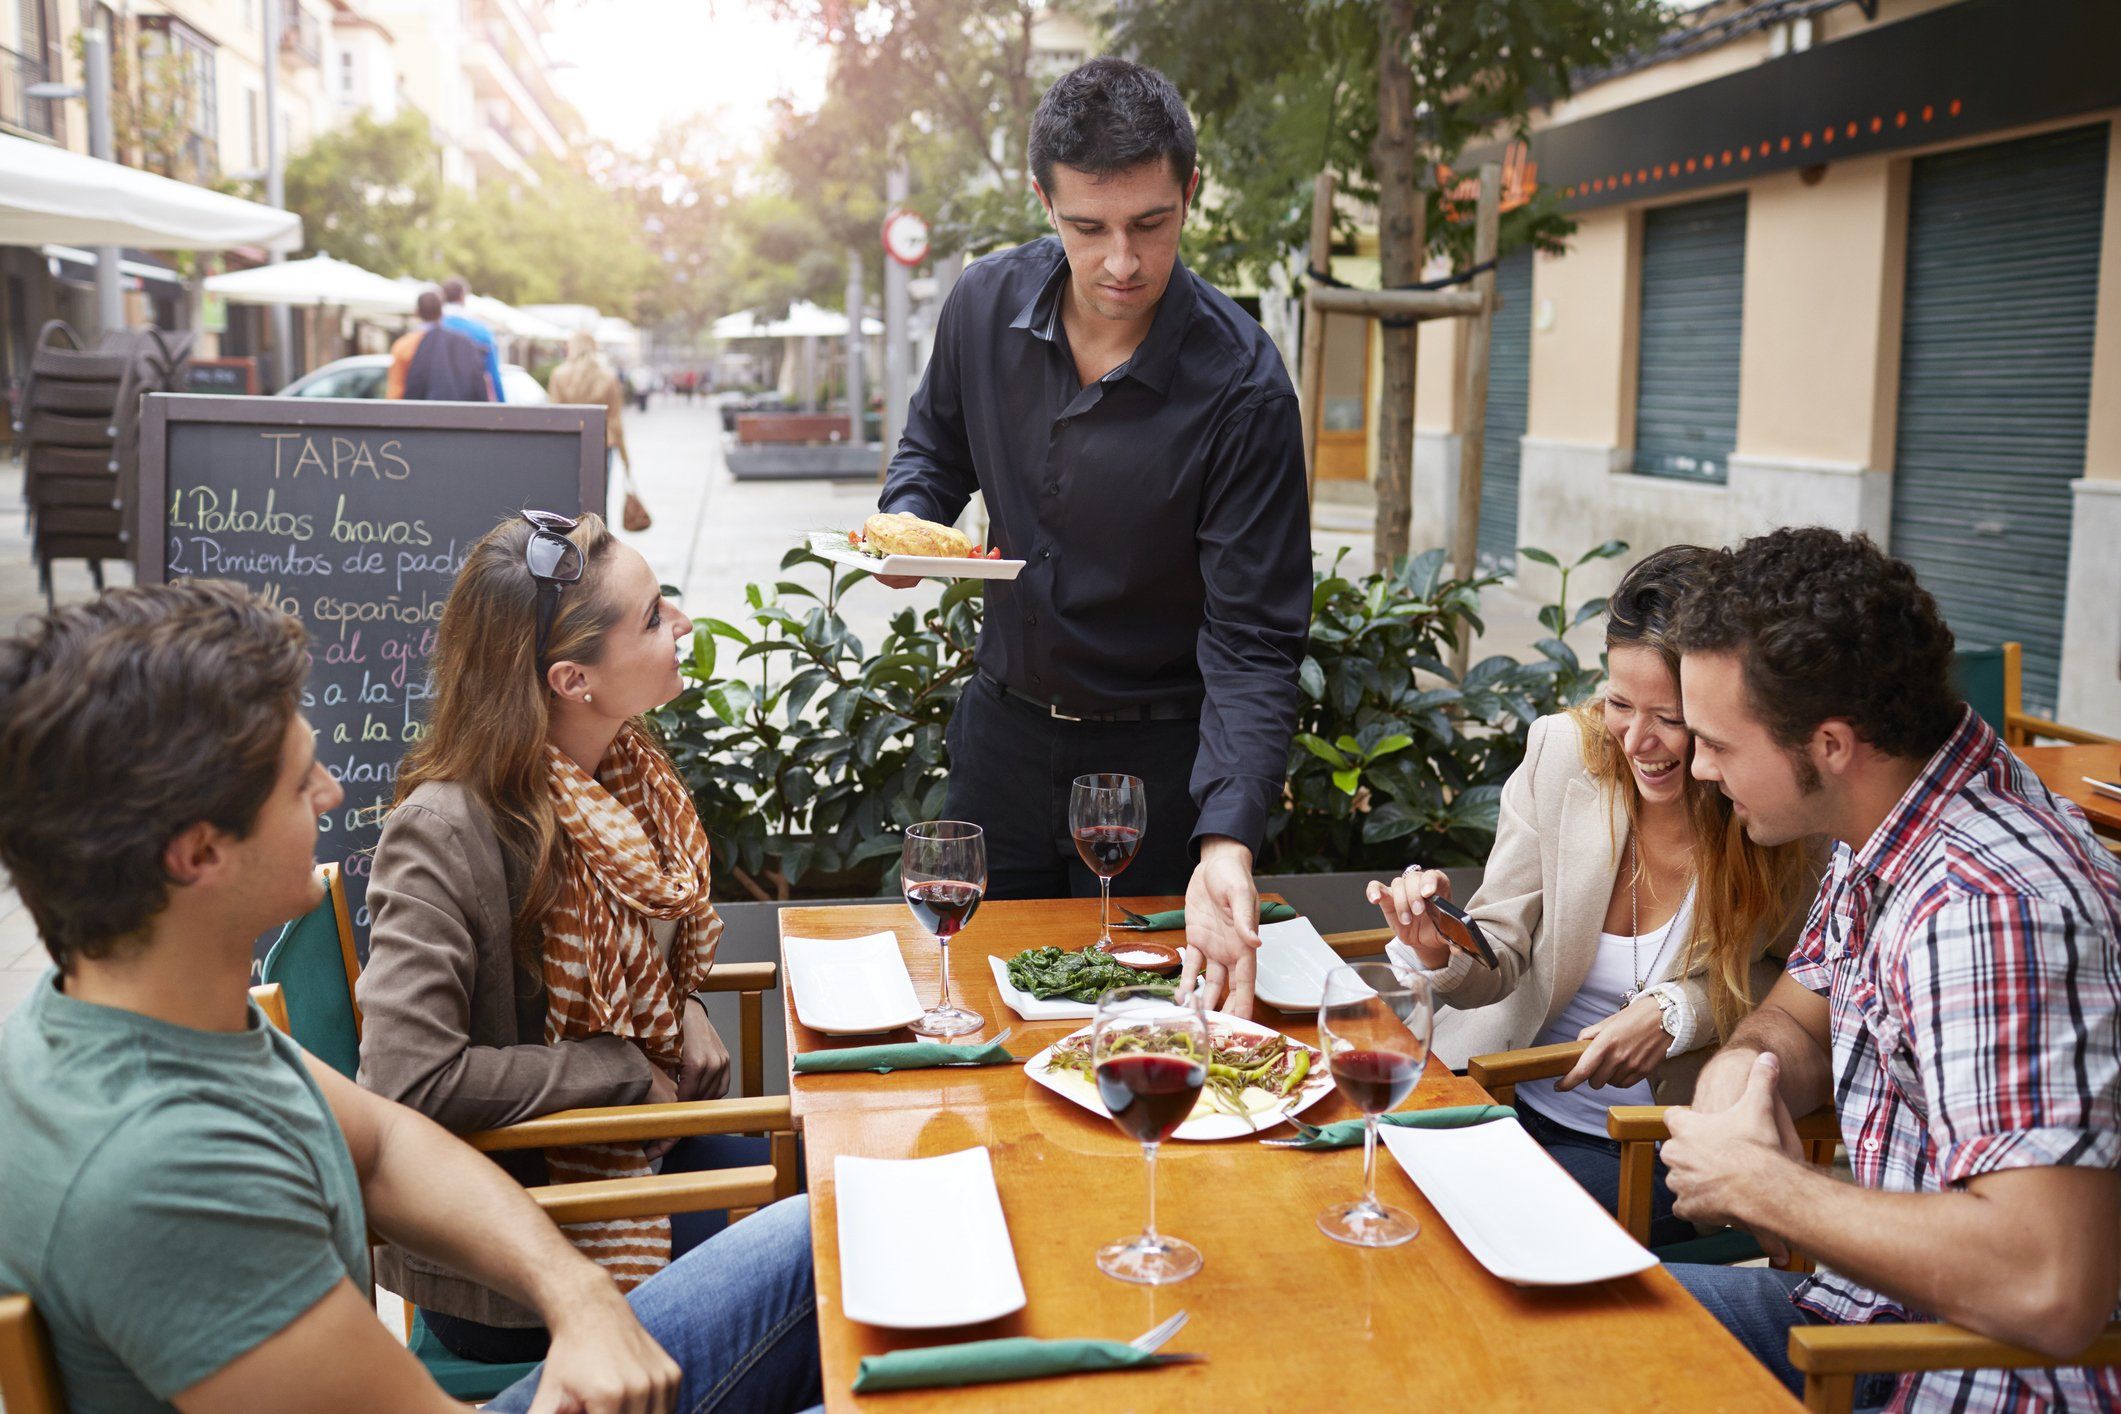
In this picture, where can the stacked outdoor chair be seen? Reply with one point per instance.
(79, 434)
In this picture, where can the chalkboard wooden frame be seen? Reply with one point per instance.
(161, 411)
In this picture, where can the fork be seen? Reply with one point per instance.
(1130, 919)
(1305, 1133)
(998, 1040)
(1151, 1340)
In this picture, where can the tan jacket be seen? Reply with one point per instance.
(1542, 905)
(454, 1025)
(591, 380)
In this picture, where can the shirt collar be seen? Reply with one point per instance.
(1153, 362)
(1897, 841)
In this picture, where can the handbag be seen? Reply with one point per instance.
(634, 516)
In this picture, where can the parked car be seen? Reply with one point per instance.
(362, 377)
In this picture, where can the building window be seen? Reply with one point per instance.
(196, 70)
(254, 127)
(1693, 298)
(346, 73)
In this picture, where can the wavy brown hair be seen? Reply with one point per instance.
(1741, 888)
(492, 708)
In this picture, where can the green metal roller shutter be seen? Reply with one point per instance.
(1995, 384)
(1509, 385)
(1693, 305)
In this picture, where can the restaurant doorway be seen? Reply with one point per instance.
(1509, 404)
(1344, 431)
(1995, 384)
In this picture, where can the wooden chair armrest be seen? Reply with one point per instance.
(1891, 1347)
(273, 1002)
(1363, 942)
(29, 1373)
(1503, 1071)
(657, 1195)
(2026, 727)
(742, 977)
(1634, 1123)
(618, 1123)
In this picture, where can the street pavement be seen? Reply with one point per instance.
(712, 536)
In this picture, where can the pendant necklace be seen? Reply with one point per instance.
(1634, 923)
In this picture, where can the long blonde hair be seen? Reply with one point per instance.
(1741, 889)
(492, 709)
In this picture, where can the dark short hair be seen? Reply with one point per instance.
(1107, 116)
(428, 305)
(1828, 625)
(123, 723)
(454, 290)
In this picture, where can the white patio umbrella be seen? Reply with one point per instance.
(804, 320)
(48, 194)
(317, 282)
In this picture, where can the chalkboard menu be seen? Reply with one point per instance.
(354, 516)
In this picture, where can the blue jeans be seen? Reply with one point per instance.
(1594, 1162)
(1754, 1304)
(738, 1314)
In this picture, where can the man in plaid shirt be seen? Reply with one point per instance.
(1956, 995)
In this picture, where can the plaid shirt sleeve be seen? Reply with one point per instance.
(2013, 1020)
(1807, 965)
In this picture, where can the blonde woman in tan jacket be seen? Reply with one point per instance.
(1623, 902)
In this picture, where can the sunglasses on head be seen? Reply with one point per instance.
(554, 562)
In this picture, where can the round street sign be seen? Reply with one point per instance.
(906, 237)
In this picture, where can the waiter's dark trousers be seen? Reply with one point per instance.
(1011, 767)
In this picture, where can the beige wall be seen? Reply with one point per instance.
(1820, 273)
(1582, 376)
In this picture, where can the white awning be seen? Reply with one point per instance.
(804, 321)
(315, 282)
(51, 196)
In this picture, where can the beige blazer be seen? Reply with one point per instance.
(1542, 903)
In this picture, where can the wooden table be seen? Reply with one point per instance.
(2063, 769)
(1289, 1318)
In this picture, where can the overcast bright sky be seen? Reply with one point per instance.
(632, 66)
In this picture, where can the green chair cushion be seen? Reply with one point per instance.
(1721, 1249)
(1978, 674)
(311, 971)
(458, 1377)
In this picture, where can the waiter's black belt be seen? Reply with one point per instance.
(1177, 710)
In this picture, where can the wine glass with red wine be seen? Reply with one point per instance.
(1374, 1027)
(1108, 815)
(943, 872)
(1150, 1056)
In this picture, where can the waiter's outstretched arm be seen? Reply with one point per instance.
(1254, 543)
(931, 473)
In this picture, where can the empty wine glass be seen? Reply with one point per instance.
(943, 873)
(1150, 1056)
(1374, 1026)
(1108, 815)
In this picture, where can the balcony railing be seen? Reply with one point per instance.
(300, 34)
(17, 108)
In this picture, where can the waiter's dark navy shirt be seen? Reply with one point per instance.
(1161, 509)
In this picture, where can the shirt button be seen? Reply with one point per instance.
(1031, 619)
(1870, 1146)
(1053, 488)
(1063, 423)
(1045, 554)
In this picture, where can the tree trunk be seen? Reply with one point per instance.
(1399, 258)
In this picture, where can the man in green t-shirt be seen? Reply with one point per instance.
(184, 1194)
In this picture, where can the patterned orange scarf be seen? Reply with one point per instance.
(635, 852)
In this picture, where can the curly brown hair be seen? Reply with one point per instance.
(1828, 625)
(123, 723)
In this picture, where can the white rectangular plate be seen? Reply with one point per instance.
(894, 1212)
(832, 545)
(1207, 1123)
(850, 986)
(1516, 1210)
(2111, 788)
(1293, 962)
(1030, 1008)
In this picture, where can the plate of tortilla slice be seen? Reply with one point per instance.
(908, 545)
(1259, 1095)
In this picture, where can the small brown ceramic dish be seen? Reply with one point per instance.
(1143, 957)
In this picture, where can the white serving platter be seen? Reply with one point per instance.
(1516, 1210)
(832, 545)
(1294, 959)
(1207, 1122)
(1031, 1008)
(893, 1213)
(850, 986)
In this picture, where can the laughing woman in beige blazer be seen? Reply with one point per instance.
(1623, 901)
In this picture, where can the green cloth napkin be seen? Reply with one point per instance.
(906, 1055)
(988, 1361)
(1172, 918)
(1349, 1131)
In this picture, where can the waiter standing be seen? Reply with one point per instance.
(1137, 441)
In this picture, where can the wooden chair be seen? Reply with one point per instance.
(1832, 1357)
(1992, 680)
(308, 991)
(29, 1376)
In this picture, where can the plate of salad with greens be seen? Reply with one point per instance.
(1063, 984)
(1257, 1078)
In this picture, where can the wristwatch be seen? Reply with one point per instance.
(1668, 1008)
